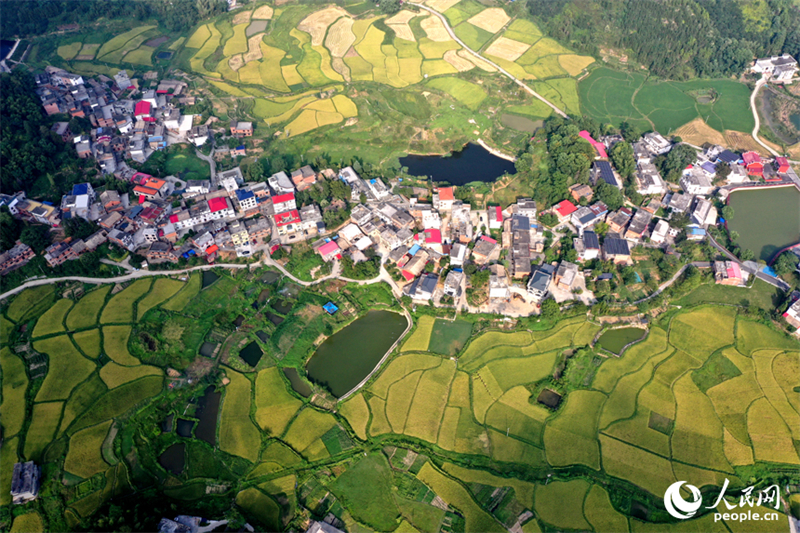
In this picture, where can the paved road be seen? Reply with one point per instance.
(775, 282)
(212, 164)
(492, 63)
(760, 83)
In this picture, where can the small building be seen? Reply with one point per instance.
(599, 147)
(618, 221)
(495, 216)
(443, 199)
(617, 250)
(648, 180)
(579, 191)
(17, 256)
(563, 210)
(704, 213)
(284, 202)
(161, 252)
(695, 181)
(727, 273)
(330, 251)
(792, 315)
(695, 233)
(452, 283)
(638, 225)
(498, 283)
(588, 216)
(753, 163)
(486, 249)
(281, 183)
(781, 165)
(779, 69)
(242, 129)
(656, 143)
(423, 287)
(25, 483)
(458, 254)
(660, 232)
(587, 246)
(601, 170)
(565, 275)
(304, 177)
(679, 203)
(539, 283)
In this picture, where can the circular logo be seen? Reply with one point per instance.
(677, 506)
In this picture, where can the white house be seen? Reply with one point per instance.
(656, 143)
(704, 212)
(280, 183)
(648, 180)
(695, 181)
(659, 234)
(777, 68)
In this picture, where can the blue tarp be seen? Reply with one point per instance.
(768, 270)
(330, 307)
(414, 249)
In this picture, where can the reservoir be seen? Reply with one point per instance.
(472, 163)
(767, 220)
(347, 357)
(614, 340)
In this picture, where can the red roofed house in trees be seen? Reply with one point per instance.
(329, 251)
(284, 202)
(564, 209)
(753, 164)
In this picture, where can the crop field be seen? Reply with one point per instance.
(448, 338)
(163, 289)
(121, 42)
(115, 375)
(613, 96)
(467, 93)
(44, 422)
(115, 345)
(84, 314)
(120, 307)
(27, 523)
(66, 368)
(237, 433)
(15, 381)
(275, 407)
(84, 458)
(257, 504)
(30, 302)
(53, 320)
(306, 431)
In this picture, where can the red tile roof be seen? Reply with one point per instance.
(488, 239)
(211, 249)
(142, 108)
(173, 218)
(750, 158)
(433, 236)
(498, 213)
(282, 198)
(408, 275)
(598, 146)
(286, 218)
(143, 190)
(328, 247)
(446, 194)
(565, 208)
(217, 204)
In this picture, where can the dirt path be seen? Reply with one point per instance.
(492, 63)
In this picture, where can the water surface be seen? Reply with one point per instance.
(207, 411)
(614, 340)
(173, 458)
(298, 384)
(209, 277)
(472, 163)
(767, 220)
(251, 354)
(348, 356)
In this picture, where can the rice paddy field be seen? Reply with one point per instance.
(613, 96)
(703, 396)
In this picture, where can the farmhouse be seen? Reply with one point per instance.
(16, 257)
(242, 129)
(601, 170)
(727, 273)
(540, 281)
(452, 283)
(579, 191)
(423, 287)
(588, 216)
(587, 246)
(648, 180)
(660, 232)
(779, 69)
(638, 225)
(704, 213)
(563, 210)
(617, 250)
(753, 163)
(792, 315)
(599, 147)
(656, 143)
(25, 482)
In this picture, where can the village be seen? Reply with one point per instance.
(437, 249)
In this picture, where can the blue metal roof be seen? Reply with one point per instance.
(243, 194)
(80, 188)
(414, 249)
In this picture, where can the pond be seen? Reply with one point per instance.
(166, 425)
(275, 319)
(550, 398)
(262, 335)
(766, 219)
(209, 277)
(614, 340)
(207, 412)
(185, 427)
(472, 163)
(348, 356)
(795, 120)
(207, 349)
(282, 306)
(298, 384)
(251, 354)
(270, 277)
(173, 459)
(5, 48)
(164, 55)
(238, 322)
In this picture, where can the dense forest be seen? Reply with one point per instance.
(35, 17)
(676, 39)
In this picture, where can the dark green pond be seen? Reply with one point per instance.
(300, 387)
(767, 220)
(795, 119)
(209, 277)
(173, 458)
(614, 340)
(251, 354)
(347, 357)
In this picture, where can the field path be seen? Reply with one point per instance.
(492, 63)
(760, 83)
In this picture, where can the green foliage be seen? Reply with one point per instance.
(622, 157)
(550, 309)
(675, 161)
(609, 195)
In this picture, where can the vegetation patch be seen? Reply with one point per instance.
(237, 433)
(84, 314)
(449, 337)
(66, 368)
(365, 489)
(84, 458)
(275, 407)
(15, 382)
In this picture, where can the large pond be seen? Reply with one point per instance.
(173, 459)
(207, 411)
(251, 354)
(614, 340)
(472, 163)
(767, 220)
(347, 357)
(298, 384)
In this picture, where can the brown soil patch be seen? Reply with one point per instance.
(253, 48)
(744, 142)
(340, 37)
(478, 62)
(442, 5)
(697, 132)
(241, 17)
(236, 62)
(399, 23)
(491, 20)
(507, 49)
(316, 23)
(310, 311)
(158, 41)
(85, 57)
(452, 57)
(263, 12)
(351, 53)
(435, 30)
(341, 67)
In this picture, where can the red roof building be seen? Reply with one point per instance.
(286, 218)
(142, 108)
(218, 204)
(212, 249)
(599, 147)
(753, 164)
(488, 239)
(782, 165)
(433, 236)
(329, 250)
(446, 194)
(564, 209)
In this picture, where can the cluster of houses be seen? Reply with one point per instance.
(127, 123)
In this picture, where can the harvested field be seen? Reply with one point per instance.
(340, 37)
(253, 49)
(317, 23)
(399, 23)
(341, 67)
(507, 49)
(441, 5)
(478, 62)
(241, 17)
(452, 57)
(743, 142)
(236, 62)
(263, 13)
(152, 43)
(491, 20)
(435, 29)
(257, 26)
(697, 132)
(574, 64)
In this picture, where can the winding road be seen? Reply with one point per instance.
(492, 63)
(760, 83)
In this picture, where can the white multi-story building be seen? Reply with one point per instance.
(777, 68)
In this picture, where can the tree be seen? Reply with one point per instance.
(78, 228)
(786, 264)
(747, 255)
(36, 236)
(723, 170)
(609, 195)
(630, 132)
(734, 235)
(727, 213)
(10, 229)
(677, 159)
(550, 309)
(390, 7)
(622, 156)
